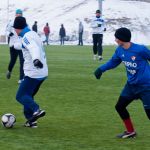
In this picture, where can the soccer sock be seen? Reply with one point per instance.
(128, 124)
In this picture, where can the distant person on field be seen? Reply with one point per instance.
(15, 48)
(62, 34)
(46, 32)
(34, 27)
(80, 32)
(35, 69)
(98, 27)
(136, 60)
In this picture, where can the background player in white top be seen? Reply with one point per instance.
(98, 27)
(15, 51)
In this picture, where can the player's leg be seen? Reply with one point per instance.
(60, 40)
(21, 65)
(145, 97)
(81, 39)
(94, 46)
(47, 39)
(124, 100)
(24, 96)
(63, 40)
(13, 58)
(37, 88)
(100, 48)
(28, 113)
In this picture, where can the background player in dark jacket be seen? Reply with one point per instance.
(80, 32)
(136, 59)
(34, 27)
(62, 34)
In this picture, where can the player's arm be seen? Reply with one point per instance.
(34, 50)
(112, 63)
(9, 29)
(104, 25)
(145, 53)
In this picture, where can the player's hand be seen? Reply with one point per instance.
(37, 63)
(99, 25)
(11, 34)
(98, 73)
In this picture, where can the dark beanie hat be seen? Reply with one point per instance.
(98, 11)
(20, 23)
(123, 34)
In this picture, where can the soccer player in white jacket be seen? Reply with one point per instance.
(98, 26)
(15, 51)
(35, 70)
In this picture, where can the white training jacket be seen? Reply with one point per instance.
(14, 40)
(94, 25)
(32, 48)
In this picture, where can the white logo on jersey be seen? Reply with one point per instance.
(131, 71)
(133, 58)
(130, 64)
(122, 55)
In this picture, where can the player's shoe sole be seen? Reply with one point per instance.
(126, 135)
(31, 124)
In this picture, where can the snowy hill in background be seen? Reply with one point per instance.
(132, 14)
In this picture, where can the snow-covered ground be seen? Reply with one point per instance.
(131, 14)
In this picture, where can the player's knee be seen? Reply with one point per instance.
(18, 97)
(117, 107)
(148, 113)
(120, 109)
(121, 106)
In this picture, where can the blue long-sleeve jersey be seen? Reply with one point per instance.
(136, 60)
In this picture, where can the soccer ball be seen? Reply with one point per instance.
(8, 120)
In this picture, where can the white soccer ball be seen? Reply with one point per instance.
(8, 120)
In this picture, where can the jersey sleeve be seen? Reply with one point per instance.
(9, 28)
(112, 63)
(32, 46)
(145, 53)
(104, 23)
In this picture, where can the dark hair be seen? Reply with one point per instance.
(123, 34)
(20, 23)
(98, 11)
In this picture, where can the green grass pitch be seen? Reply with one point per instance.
(80, 109)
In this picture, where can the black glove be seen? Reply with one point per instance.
(11, 34)
(99, 25)
(104, 29)
(37, 63)
(98, 72)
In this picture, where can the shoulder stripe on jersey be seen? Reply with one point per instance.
(26, 41)
(23, 46)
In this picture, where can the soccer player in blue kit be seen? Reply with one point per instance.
(136, 59)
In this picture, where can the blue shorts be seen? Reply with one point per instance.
(134, 92)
